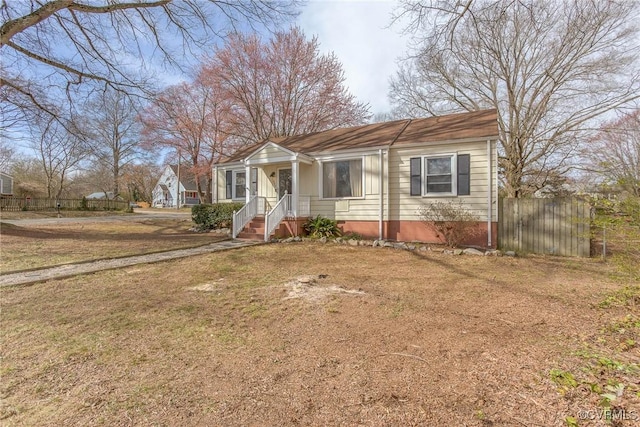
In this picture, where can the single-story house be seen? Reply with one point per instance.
(6, 184)
(371, 179)
(103, 195)
(167, 191)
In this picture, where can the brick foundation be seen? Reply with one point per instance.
(408, 231)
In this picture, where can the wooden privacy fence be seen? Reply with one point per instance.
(559, 226)
(41, 204)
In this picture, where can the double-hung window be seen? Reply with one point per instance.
(236, 181)
(342, 179)
(440, 175)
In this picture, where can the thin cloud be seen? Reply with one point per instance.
(358, 33)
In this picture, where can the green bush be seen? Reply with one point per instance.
(321, 227)
(218, 215)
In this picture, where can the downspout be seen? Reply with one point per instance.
(404, 127)
(381, 191)
(214, 185)
(489, 195)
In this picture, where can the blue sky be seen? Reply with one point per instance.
(359, 34)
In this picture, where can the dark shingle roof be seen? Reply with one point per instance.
(187, 178)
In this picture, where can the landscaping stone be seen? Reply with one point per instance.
(388, 245)
(472, 251)
(352, 242)
(411, 247)
(457, 251)
(338, 240)
(493, 252)
(423, 249)
(297, 239)
(306, 280)
(510, 253)
(323, 239)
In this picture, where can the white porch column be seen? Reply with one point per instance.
(295, 177)
(247, 183)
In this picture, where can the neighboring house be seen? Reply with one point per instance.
(167, 191)
(6, 184)
(103, 195)
(372, 179)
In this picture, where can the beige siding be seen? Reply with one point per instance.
(365, 209)
(269, 152)
(398, 204)
(402, 206)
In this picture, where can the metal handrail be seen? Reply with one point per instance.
(244, 215)
(274, 217)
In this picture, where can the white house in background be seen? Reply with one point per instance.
(6, 184)
(371, 179)
(167, 191)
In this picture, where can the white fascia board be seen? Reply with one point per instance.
(230, 166)
(479, 140)
(341, 154)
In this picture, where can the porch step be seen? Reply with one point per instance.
(255, 230)
(250, 236)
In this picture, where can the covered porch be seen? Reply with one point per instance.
(275, 185)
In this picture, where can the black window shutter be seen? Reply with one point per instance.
(229, 179)
(416, 176)
(464, 174)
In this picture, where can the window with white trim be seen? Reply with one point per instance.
(236, 184)
(239, 184)
(440, 175)
(342, 179)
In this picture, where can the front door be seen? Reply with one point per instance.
(284, 182)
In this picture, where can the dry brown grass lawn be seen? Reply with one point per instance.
(217, 340)
(25, 247)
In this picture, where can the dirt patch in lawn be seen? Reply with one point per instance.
(25, 247)
(426, 339)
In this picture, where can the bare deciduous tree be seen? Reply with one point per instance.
(59, 151)
(114, 132)
(550, 68)
(54, 49)
(282, 87)
(614, 153)
(191, 119)
(7, 154)
(140, 179)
